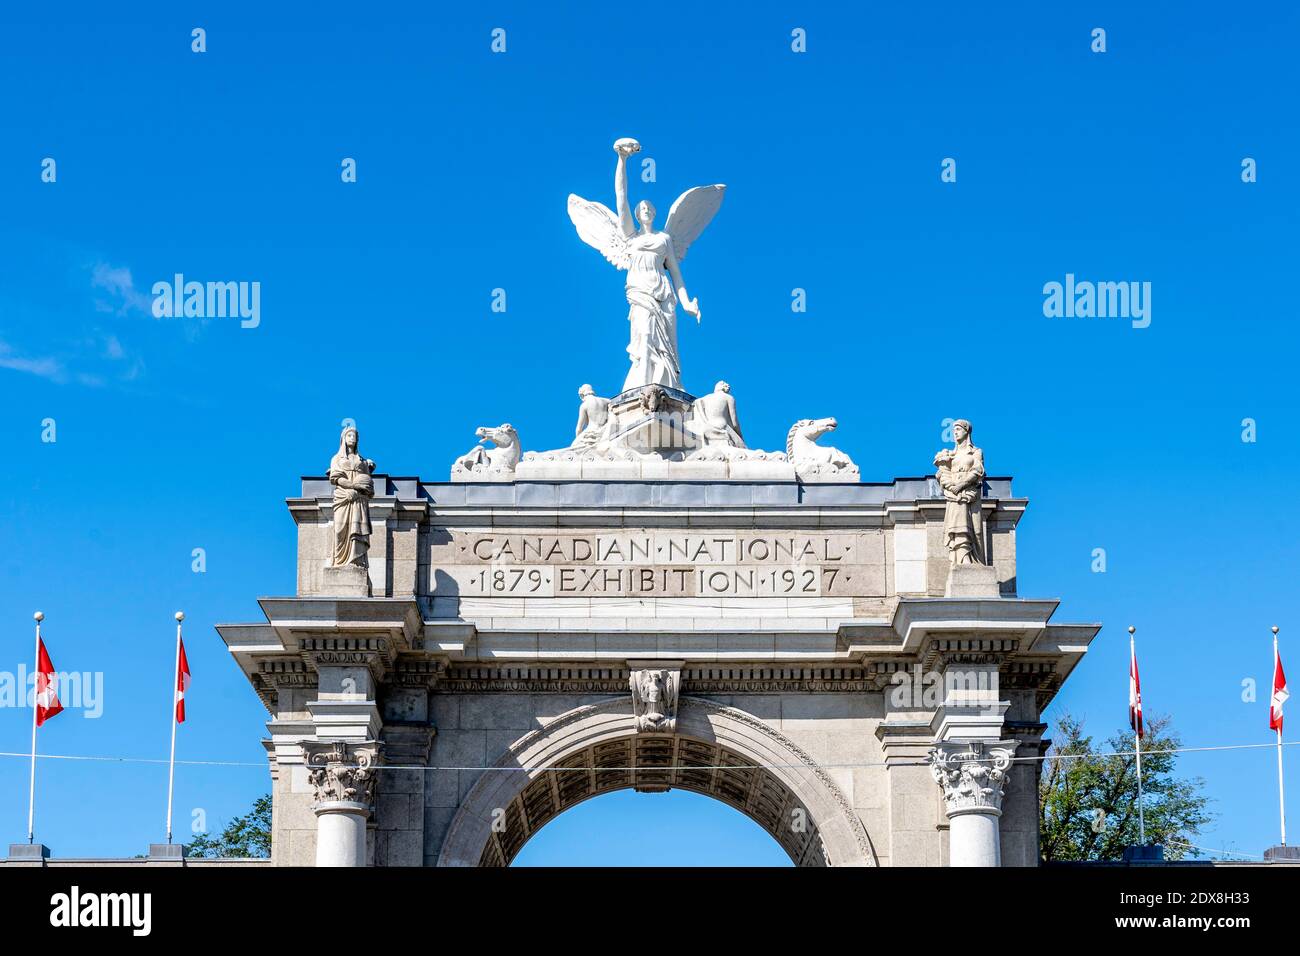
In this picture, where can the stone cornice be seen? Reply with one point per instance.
(918, 619)
(1031, 653)
(315, 510)
(655, 503)
(271, 666)
(412, 671)
(295, 618)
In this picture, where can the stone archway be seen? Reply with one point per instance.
(716, 750)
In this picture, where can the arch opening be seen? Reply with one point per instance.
(656, 764)
(630, 829)
(716, 750)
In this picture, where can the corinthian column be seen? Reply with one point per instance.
(343, 775)
(971, 774)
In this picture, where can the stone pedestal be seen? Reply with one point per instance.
(651, 420)
(972, 581)
(34, 853)
(1282, 854)
(166, 852)
(347, 581)
(1144, 854)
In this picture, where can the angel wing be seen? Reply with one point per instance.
(693, 210)
(598, 227)
(670, 695)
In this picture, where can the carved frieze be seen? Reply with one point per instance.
(968, 652)
(734, 679)
(376, 653)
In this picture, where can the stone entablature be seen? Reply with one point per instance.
(557, 550)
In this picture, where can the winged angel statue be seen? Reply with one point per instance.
(651, 259)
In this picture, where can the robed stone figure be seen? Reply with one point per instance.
(961, 477)
(354, 486)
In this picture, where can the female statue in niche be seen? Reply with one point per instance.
(354, 486)
(961, 476)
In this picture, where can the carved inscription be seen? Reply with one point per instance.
(659, 564)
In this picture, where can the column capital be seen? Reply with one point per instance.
(972, 774)
(342, 774)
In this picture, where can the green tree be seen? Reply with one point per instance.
(246, 836)
(1088, 798)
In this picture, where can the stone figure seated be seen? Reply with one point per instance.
(716, 421)
(593, 416)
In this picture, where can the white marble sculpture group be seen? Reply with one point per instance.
(654, 428)
(713, 420)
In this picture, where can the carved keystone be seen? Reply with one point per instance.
(654, 697)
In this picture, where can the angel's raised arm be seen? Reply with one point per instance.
(625, 221)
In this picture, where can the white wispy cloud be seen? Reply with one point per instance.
(122, 297)
(45, 367)
(93, 352)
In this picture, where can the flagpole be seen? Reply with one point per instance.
(1137, 746)
(171, 763)
(31, 790)
(1281, 792)
(1142, 826)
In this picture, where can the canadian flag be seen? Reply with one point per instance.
(1279, 693)
(47, 686)
(182, 680)
(1134, 692)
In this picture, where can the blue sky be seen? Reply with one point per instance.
(924, 303)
